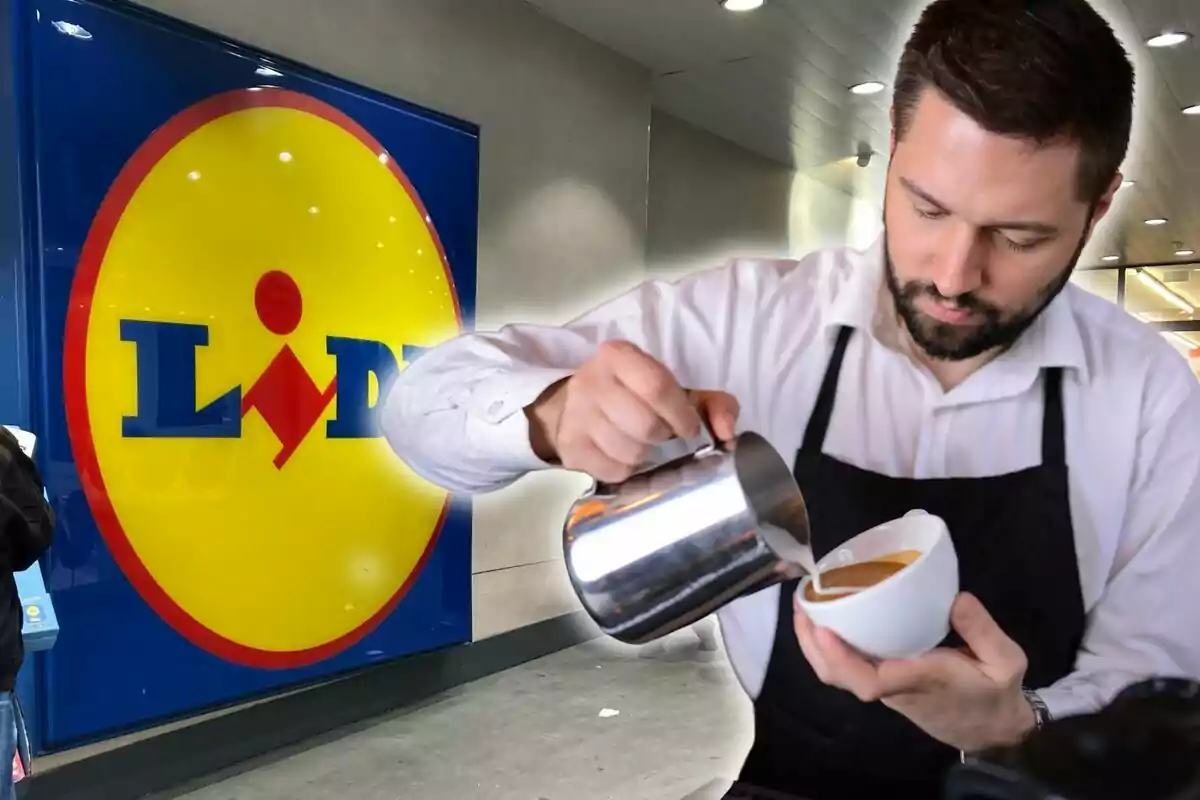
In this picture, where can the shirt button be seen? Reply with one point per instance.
(496, 407)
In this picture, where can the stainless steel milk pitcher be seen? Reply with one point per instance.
(699, 525)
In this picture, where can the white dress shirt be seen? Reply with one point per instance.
(763, 330)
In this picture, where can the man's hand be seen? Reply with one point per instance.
(607, 417)
(969, 700)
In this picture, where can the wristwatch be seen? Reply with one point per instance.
(1041, 714)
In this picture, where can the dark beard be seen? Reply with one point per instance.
(999, 330)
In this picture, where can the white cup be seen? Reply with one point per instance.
(905, 615)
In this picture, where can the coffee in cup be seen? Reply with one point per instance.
(860, 575)
(910, 573)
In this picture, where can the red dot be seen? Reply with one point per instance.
(277, 300)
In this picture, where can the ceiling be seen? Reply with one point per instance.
(775, 81)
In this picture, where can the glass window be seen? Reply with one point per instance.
(1188, 344)
(1155, 294)
(1183, 341)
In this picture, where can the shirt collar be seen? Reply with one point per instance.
(856, 289)
(857, 295)
(1054, 339)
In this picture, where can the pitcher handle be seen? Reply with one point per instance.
(669, 452)
(676, 449)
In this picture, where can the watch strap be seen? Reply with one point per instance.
(1041, 713)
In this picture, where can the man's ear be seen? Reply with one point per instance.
(1106, 200)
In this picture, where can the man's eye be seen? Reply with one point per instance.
(1021, 247)
(935, 213)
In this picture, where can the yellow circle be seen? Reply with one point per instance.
(271, 559)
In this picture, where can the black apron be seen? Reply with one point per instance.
(1016, 553)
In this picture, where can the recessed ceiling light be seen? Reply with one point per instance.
(1156, 221)
(1168, 39)
(868, 87)
(1192, 110)
(1110, 258)
(740, 5)
(1127, 184)
(1185, 253)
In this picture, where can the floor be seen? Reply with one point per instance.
(543, 731)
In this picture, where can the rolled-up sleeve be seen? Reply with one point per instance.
(1147, 621)
(456, 414)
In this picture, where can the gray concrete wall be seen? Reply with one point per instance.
(711, 200)
(710, 197)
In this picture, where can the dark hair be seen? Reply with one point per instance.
(1042, 70)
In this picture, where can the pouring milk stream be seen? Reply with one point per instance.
(699, 525)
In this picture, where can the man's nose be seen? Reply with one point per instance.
(961, 262)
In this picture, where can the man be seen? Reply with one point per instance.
(26, 525)
(951, 367)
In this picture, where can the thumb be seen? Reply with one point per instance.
(999, 656)
(721, 409)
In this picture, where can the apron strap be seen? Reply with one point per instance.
(1054, 443)
(1054, 446)
(818, 421)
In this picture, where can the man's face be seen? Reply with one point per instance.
(981, 230)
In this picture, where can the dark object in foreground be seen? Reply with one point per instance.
(1145, 744)
(745, 791)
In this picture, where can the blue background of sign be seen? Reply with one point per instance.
(82, 108)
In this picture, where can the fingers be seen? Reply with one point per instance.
(586, 456)
(989, 656)
(623, 409)
(626, 428)
(834, 662)
(999, 657)
(618, 447)
(622, 403)
(721, 410)
(804, 635)
(654, 384)
(932, 670)
(848, 669)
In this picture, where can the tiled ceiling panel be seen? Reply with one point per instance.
(776, 81)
